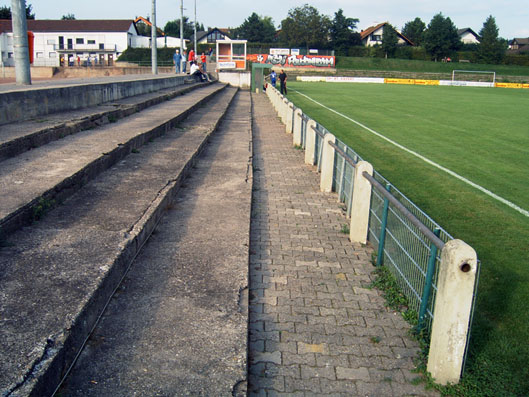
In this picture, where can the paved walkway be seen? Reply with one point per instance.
(315, 328)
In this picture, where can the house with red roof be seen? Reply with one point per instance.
(373, 36)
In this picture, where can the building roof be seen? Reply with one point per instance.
(203, 33)
(159, 31)
(462, 31)
(521, 41)
(365, 33)
(72, 25)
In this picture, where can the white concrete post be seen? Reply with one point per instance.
(310, 143)
(327, 163)
(361, 203)
(296, 131)
(284, 110)
(290, 114)
(453, 303)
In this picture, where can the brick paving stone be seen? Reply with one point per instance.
(315, 327)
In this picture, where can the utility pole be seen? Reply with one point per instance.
(182, 60)
(195, 47)
(20, 42)
(154, 52)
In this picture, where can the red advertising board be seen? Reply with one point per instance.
(294, 61)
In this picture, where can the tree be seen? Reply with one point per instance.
(414, 30)
(305, 27)
(491, 48)
(256, 29)
(342, 33)
(441, 38)
(389, 40)
(172, 28)
(5, 12)
(68, 17)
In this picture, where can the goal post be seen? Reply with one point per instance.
(486, 76)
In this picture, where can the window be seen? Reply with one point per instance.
(50, 42)
(79, 41)
(40, 55)
(376, 37)
(53, 55)
(101, 46)
(10, 55)
(90, 41)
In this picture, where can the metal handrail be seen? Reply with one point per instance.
(321, 134)
(346, 157)
(412, 218)
(304, 117)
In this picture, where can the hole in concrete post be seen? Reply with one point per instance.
(465, 267)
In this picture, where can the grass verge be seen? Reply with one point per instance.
(482, 134)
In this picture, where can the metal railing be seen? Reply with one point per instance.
(407, 241)
(411, 240)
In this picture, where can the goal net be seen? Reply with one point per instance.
(474, 75)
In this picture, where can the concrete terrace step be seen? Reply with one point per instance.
(57, 276)
(178, 324)
(37, 179)
(16, 138)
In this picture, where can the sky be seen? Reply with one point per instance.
(512, 16)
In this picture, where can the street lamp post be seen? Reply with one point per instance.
(154, 47)
(20, 42)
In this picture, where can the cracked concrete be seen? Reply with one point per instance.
(178, 324)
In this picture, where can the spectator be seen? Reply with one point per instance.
(283, 82)
(177, 59)
(197, 73)
(184, 61)
(273, 78)
(203, 60)
(191, 57)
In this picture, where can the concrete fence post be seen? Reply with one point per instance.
(327, 163)
(284, 110)
(452, 310)
(290, 116)
(296, 129)
(310, 143)
(361, 203)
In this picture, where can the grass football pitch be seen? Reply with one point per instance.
(481, 134)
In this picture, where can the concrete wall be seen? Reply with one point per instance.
(236, 79)
(24, 105)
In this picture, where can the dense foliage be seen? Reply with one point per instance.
(256, 29)
(5, 12)
(441, 39)
(172, 28)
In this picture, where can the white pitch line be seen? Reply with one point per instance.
(425, 159)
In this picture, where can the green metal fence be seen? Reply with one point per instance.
(402, 246)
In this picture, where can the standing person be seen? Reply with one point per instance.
(273, 78)
(177, 58)
(191, 57)
(203, 60)
(283, 82)
(184, 63)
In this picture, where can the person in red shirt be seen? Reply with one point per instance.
(203, 60)
(191, 56)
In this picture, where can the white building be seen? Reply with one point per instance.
(468, 36)
(58, 42)
(373, 36)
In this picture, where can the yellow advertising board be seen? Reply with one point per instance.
(399, 81)
(509, 85)
(525, 85)
(426, 82)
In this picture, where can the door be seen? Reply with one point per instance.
(61, 42)
(70, 44)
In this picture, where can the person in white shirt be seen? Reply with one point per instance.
(195, 71)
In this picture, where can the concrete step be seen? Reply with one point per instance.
(178, 323)
(16, 138)
(37, 180)
(58, 275)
